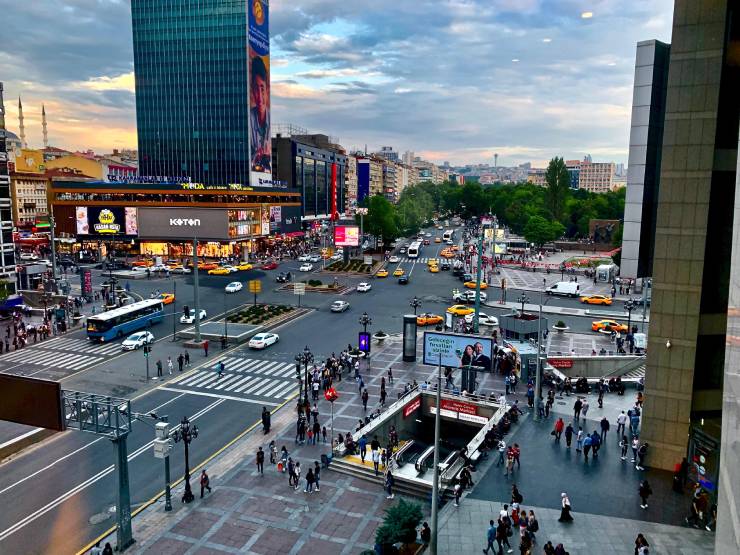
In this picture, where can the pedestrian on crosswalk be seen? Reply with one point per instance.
(221, 368)
(187, 358)
(180, 362)
(169, 365)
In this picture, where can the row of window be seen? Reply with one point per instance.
(313, 178)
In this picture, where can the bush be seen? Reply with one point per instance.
(400, 523)
(560, 324)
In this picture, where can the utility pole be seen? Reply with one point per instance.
(196, 300)
(538, 376)
(174, 311)
(477, 279)
(53, 252)
(435, 476)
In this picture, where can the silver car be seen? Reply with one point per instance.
(339, 306)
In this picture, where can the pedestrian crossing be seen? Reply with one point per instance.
(66, 353)
(42, 357)
(82, 346)
(420, 260)
(243, 377)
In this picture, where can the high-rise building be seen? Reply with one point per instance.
(643, 174)
(202, 90)
(574, 171)
(692, 347)
(596, 177)
(388, 153)
(7, 248)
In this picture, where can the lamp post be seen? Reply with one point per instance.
(522, 299)
(226, 328)
(629, 306)
(538, 375)
(186, 433)
(415, 303)
(305, 358)
(365, 321)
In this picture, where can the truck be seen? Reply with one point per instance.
(565, 289)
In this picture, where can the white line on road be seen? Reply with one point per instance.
(218, 396)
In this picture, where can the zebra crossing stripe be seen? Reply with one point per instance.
(287, 371)
(222, 381)
(267, 369)
(251, 382)
(267, 385)
(190, 380)
(243, 378)
(283, 391)
(206, 376)
(272, 393)
(247, 365)
(32, 357)
(75, 362)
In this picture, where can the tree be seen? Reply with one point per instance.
(539, 231)
(400, 524)
(381, 218)
(558, 186)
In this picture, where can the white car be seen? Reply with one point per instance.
(181, 270)
(136, 340)
(483, 319)
(449, 242)
(304, 258)
(262, 340)
(190, 319)
(28, 256)
(231, 269)
(467, 296)
(336, 256)
(306, 267)
(393, 259)
(234, 287)
(363, 287)
(339, 306)
(159, 268)
(314, 258)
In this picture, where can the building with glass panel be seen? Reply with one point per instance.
(192, 98)
(7, 248)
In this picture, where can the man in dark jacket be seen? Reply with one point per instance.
(604, 428)
(265, 420)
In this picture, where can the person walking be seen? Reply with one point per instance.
(273, 452)
(291, 472)
(187, 359)
(297, 475)
(107, 550)
(503, 530)
(317, 475)
(641, 454)
(509, 462)
(645, 491)
(577, 409)
(516, 452)
(533, 526)
(375, 456)
(558, 430)
(389, 482)
(635, 445)
(584, 409)
(221, 368)
(205, 349)
(624, 445)
(159, 368)
(565, 515)
(458, 492)
(516, 496)
(266, 417)
(170, 366)
(180, 362)
(501, 452)
(365, 397)
(205, 483)
(604, 428)
(621, 422)
(309, 481)
(490, 537)
(568, 435)
(261, 461)
(586, 446)
(362, 445)
(579, 440)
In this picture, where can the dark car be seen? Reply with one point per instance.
(282, 277)
(403, 280)
(466, 277)
(117, 265)
(445, 266)
(457, 271)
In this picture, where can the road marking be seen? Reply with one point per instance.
(217, 396)
(102, 474)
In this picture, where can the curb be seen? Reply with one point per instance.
(18, 444)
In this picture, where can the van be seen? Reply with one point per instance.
(565, 288)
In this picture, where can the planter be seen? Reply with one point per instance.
(359, 354)
(380, 336)
(560, 329)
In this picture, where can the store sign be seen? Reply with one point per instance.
(86, 282)
(95, 220)
(411, 407)
(183, 223)
(472, 418)
(459, 406)
(444, 412)
(346, 236)
(560, 362)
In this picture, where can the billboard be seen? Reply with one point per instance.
(347, 236)
(363, 179)
(458, 351)
(258, 49)
(31, 401)
(183, 223)
(265, 220)
(276, 215)
(116, 220)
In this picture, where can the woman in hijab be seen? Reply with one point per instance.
(565, 511)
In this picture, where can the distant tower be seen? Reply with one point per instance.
(22, 127)
(495, 160)
(43, 126)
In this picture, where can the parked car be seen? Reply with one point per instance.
(483, 319)
(263, 340)
(339, 306)
(136, 340)
(314, 258)
(282, 277)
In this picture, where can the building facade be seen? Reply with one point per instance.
(7, 248)
(643, 174)
(596, 177)
(536, 176)
(574, 171)
(192, 96)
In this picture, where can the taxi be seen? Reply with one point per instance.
(460, 310)
(432, 262)
(455, 248)
(243, 266)
(382, 273)
(596, 299)
(437, 239)
(608, 325)
(428, 319)
(167, 298)
(447, 254)
(472, 285)
(434, 269)
(398, 272)
(219, 271)
(143, 263)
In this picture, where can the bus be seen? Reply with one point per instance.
(118, 322)
(448, 235)
(414, 249)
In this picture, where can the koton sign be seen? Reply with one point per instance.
(184, 223)
(193, 222)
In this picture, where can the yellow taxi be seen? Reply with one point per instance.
(472, 284)
(455, 248)
(432, 262)
(144, 263)
(382, 273)
(608, 325)
(244, 266)
(460, 310)
(167, 298)
(218, 271)
(447, 254)
(596, 299)
(437, 239)
(398, 272)
(434, 269)
(428, 319)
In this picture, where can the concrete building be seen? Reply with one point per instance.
(7, 248)
(29, 188)
(692, 354)
(643, 174)
(596, 177)
(536, 176)
(574, 171)
(387, 153)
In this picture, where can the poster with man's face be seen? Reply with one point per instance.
(260, 146)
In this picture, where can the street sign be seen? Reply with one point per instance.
(331, 395)
(255, 286)
(368, 260)
(299, 288)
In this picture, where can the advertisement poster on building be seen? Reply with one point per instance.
(265, 220)
(347, 236)
(276, 216)
(260, 147)
(458, 351)
(86, 282)
(116, 220)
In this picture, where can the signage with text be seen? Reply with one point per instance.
(457, 350)
(183, 223)
(459, 406)
(411, 407)
(112, 221)
(560, 362)
(347, 236)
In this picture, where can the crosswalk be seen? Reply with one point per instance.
(420, 260)
(67, 353)
(242, 378)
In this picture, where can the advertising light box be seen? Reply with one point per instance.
(112, 221)
(347, 236)
(457, 350)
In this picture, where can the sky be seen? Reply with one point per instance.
(451, 80)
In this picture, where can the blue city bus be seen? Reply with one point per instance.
(119, 322)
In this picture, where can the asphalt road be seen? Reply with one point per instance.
(58, 495)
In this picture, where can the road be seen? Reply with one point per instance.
(59, 494)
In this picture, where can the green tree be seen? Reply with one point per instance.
(400, 523)
(539, 231)
(381, 220)
(558, 186)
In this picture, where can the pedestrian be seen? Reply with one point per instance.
(205, 349)
(501, 452)
(533, 526)
(297, 475)
(107, 550)
(187, 359)
(221, 368)
(641, 454)
(317, 474)
(180, 362)
(365, 397)
(375, 456)
(309, 481)
(382, 397)
(595, 443)
(96, 549)
(624, 445)
(584, 408)
(273, 452)
(205, 483)
(558, 430)
(389, 481)
(621, 421)
(604, 428)
(516, 452)
(565, 510)
(362, 445)
(509, 462)
(579, 440)
(577, 409)
(516, 496)
(390, 376)
(159, 368)
(426, 533)
(266, 418)
(568, 435)
(291, 472)
(503, 531)
(458, 493)
(699, 505)
(260, 461)
(635, 446)
(641, 545)
(645, 491)
(316, 431)
(169, 365)
(586, 446)
(323, 433)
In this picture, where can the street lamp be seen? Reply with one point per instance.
(415, 303)
(629, 306)
(538, 375)
(522, 299)
(186, 434)
(305, 358)
(365, 321)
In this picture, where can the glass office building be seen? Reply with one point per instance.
(192, 100)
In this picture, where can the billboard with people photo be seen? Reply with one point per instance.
(260, 146)
(458, 351)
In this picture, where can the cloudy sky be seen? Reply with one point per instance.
(454, 80)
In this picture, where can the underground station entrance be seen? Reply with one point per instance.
(464, 422)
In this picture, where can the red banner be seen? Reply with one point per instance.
(459, 406)
(334, 213)
(411, 407)
(561, 362)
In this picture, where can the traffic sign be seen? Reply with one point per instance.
(331, 395)
(299, 288)
(255, 286)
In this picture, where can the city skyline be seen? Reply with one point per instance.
(373, 76)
